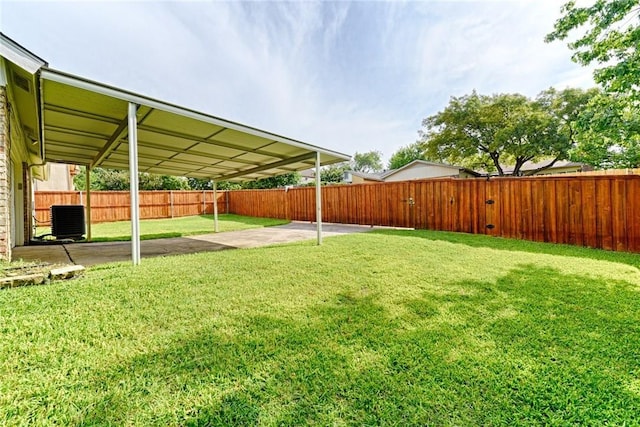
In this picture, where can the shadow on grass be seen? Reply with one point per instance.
(534, 347)
(499, 243)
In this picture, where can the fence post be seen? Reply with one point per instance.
(171, 202)
(215, 208)
(226, 197)
(287, 214)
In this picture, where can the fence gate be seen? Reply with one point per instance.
(431, 203)
(492, 208)
(409, 207)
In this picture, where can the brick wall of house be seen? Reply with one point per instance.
(5, 184)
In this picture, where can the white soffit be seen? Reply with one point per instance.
(85, 122)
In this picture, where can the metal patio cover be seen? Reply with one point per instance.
(85, 123)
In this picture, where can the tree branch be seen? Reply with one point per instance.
(496, 162)
(535, 171)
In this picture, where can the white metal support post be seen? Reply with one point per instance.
(318, 199)
(215, 207)
(133, 174)
(87, 186)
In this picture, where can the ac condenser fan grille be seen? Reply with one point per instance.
(67, 221)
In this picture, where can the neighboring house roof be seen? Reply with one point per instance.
(457, 169)
(530, 166)
(59, 178)
(383, 176)
(308, 174)
(367, 176)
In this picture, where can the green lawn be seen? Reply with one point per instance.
(381, 328)
(174, 227)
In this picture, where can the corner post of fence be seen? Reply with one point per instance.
(287, 214)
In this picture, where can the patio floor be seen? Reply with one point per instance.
(99, 253)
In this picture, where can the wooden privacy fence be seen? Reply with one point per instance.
(594, 211)
(109, 206)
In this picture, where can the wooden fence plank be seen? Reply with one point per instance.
(576, 222)
(600, 211)
(107, 206)
(618, 215)
(589, 217)
(632, 228)
(604, 230)
(524, 210)
(492, 208)
(537, 194)
(549, 207)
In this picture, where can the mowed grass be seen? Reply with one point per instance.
(381, 328)
(174, 227)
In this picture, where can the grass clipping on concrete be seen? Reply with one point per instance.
(388, 327)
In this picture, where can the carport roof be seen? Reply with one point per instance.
(85, 122)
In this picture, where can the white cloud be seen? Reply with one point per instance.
(348, 76)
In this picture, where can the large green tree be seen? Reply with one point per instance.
(118, 180)
(608, 129)
(207, 184)
(488, 132)
(611, 40)
(406, 155)
(368, 162)
(291, 178)
(608, 126)
(150, 181)
(333, 173)
(103, 179)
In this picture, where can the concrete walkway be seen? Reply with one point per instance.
(99, 253)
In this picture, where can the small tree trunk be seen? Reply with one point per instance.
(519, 162)
(496, 162)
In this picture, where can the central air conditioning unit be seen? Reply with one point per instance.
(67, 221)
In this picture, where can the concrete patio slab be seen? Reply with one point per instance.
(88, 254)
(53, 254)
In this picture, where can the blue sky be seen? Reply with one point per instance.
(350, 76)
